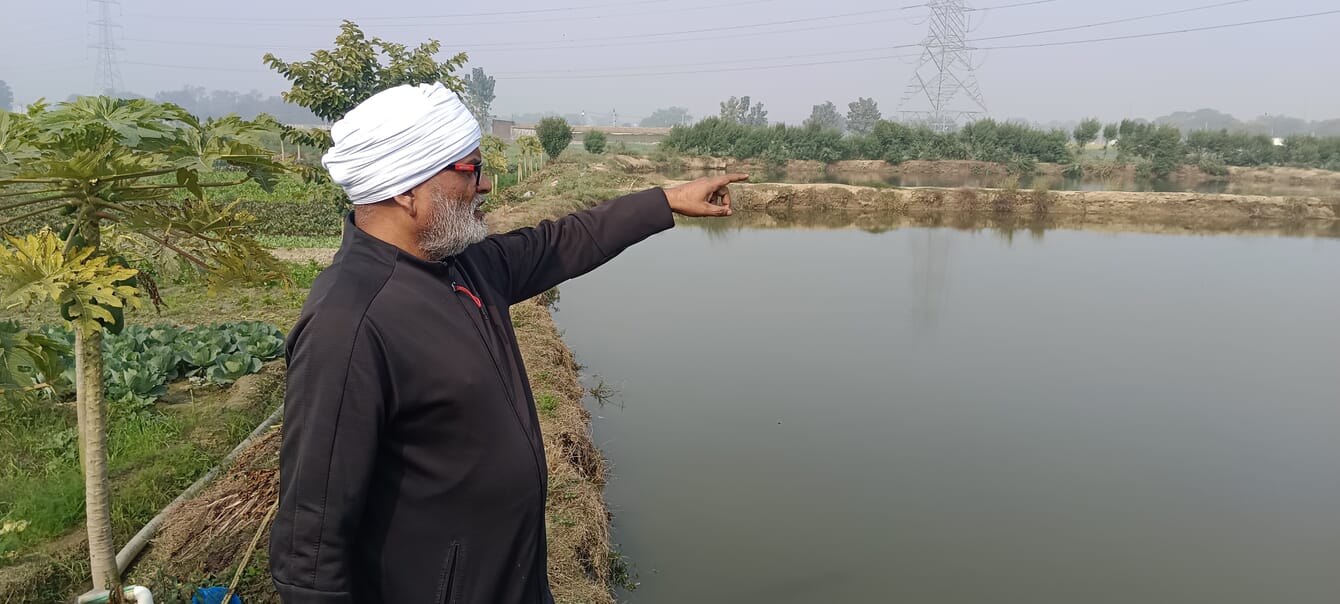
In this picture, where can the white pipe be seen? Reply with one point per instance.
(137, 543)
(134, 593)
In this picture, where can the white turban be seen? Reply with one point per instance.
(398, 139)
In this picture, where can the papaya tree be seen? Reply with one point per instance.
(494, 152)
(531, 155)
(88, 181)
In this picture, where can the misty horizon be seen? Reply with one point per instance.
(636, 57)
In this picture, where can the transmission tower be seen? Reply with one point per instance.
(943, 89)
(107, 73)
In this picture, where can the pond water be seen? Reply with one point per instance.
(957, 416)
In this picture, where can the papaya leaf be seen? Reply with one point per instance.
(35, 267)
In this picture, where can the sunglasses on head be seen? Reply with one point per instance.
(477, 168)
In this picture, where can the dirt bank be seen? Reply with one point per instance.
(878, 221)
(1132, 207)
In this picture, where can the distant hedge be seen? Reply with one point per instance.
(319, 217)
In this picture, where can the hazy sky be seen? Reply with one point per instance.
(576, 55)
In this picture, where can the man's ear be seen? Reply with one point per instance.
(405, 201)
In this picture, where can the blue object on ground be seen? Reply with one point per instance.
(213, 595)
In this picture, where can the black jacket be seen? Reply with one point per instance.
(412, 469)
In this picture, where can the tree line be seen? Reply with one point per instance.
(741, 131)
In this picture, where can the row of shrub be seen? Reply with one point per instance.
(986, 140)
(1158, 149)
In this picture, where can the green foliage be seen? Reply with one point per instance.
(479, 95)
(741, 111)
(97, 162)
(1211, 166)
(862, 115)
(594, 142)
(304, 275)
(334, 81)
(494, 153)
(1159, 148)
(826, 117)
(6, 97)
(986, 140)
(555, 135)
(230, 367)
(1003, 142)
(138, 363)
(1109, 135)
(32, 364)
(36, 268)
(153, 456)
(531, 156)
(300, 241)
(547, 403)
(1087, 132)
(667, 117)
(293, 219)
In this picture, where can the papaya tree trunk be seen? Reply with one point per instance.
(92, 412)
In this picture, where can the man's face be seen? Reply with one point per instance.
(452, 220)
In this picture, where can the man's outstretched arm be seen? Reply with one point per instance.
(531, 260)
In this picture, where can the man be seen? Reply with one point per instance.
(412, 468)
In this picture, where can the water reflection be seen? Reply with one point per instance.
(930, 253)
(1007, 226)
(968, 415)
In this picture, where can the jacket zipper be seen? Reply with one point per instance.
(497, 369)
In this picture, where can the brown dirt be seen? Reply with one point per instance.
(257, 386)
(1133, 207)
(303, 255)
(636, 165)
(58, 561)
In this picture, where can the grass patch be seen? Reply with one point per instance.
(301, 241)
(304, 273)
(547, 403)
(151, 459)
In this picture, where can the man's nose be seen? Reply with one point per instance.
(485, 185)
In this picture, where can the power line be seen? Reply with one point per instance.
(1164, 33)
(644, 35)
(1114, 21)
(693, 71)
(530, 45)
(1020, 4)
(323, 20)
(191, 67)
(700, 63)
(641, 42)
(862, 60)
(708, 69)
(424, 20)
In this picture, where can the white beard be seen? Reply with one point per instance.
(453, 228)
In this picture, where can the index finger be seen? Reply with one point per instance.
(726, 179)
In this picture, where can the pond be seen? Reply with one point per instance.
(961, 416)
